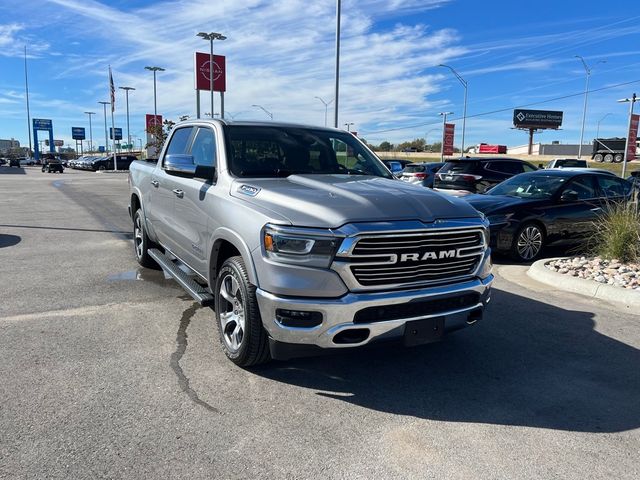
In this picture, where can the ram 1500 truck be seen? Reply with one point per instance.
(303, 241)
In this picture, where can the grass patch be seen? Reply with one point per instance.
(617, 233)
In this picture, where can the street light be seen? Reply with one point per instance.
(106, 135)
(210, 37)
(126, 90)
(264, 110)
(598, 129)
(155, 104)
(444, 121)
(326, 107)
(464, 112)
(90, 131)
(631, 101)
(348, 125)
(587, 70)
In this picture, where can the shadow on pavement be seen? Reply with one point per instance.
(9, 240)
(526, 364)
(4, 170)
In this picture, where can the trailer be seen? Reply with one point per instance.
(608, 149)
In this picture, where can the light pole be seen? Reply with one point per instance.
(264, 110)
(326, 107)
(210, 37)
(348, 125)
(106, 135)
(337, 79)
(587, 70)
(631, 101)
(155, 104)
(598, 129)
(464, 108)
(90, 131)
(126, 90)
(444, 122)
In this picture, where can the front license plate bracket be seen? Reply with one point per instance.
(427, 330)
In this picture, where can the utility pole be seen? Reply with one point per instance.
(126, 90)
(106, 135)
(90, 131)
(26, 88)
(631, 101)
(337, 80)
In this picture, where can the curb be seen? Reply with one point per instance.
(588, 288)
(112, 171)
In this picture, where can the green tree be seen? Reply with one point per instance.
(385, 146)
(159, 134)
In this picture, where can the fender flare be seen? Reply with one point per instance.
(236, 240)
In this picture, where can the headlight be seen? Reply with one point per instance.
(299, 246)
(499, 218)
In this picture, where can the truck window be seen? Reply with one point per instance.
(179, 141)
(203, 149)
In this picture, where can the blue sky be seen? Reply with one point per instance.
(280, 54)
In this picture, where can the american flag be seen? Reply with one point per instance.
(113, 91)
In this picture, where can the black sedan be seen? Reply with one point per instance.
(547, 207)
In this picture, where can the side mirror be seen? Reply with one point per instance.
(541, 165)
(569, 196)
(180, 164)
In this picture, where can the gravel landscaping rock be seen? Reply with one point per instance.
(611, 272)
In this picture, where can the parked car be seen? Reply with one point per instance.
(549, 207)
(27, 161)
(477, 175)
(106, 163)
(50, 165)
(396, 166)
(14, 162)
(567, 163)
(421, 173)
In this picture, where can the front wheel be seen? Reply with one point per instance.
(528, 242)
(242, 336)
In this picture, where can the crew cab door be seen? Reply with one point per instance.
(195, 202)
(577, 206)
(163, 184)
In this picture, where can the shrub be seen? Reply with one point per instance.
(617, 233)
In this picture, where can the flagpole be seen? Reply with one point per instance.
(112, 97)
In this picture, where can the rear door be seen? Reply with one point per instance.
(573, 220)
(163, 184)
(195, 204)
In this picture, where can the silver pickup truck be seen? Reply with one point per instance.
(303, 241)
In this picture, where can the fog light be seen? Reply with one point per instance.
(298, 318)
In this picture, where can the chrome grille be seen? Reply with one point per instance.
(415, 258)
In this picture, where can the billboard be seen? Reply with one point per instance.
(118, 133)
(42, 124)
(58, 143)
(152, 121)
(536, 118)
(633, 137)
(77, 133)
(202, 68)
(447, 141)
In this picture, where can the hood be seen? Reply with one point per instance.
(491, 203)
(330, 201)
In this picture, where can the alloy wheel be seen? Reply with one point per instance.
(138, 237)
(232, 312)
(529, 242)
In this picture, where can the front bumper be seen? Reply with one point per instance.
(338, 314)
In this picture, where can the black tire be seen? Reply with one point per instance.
(608, 158)
(598, 157)
(618, 157)
(141, 243)
(528, 242)
(243, 338)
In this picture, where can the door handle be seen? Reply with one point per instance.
(179, 193)
(155, 183)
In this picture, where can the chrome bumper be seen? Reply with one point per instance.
(338, 313)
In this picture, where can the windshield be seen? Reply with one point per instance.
(463, 166)
(273, 151)
(529, 186)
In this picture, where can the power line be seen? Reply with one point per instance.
(407, 127)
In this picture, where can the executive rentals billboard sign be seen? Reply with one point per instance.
(536, 118)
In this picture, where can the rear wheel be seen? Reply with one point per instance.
(242, 336)
(528, 242)
(608, 158)
(617, 158)
(598, 157)
(141, 242)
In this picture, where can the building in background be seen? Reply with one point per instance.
(553, 148)
(7, 145)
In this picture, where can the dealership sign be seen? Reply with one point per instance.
(536, 118)
(202, 64)
(633, 137)
(447, 143)
(153, 121)
(77, 133)
(42, 124)
(118, 133)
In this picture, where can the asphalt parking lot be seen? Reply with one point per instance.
(112, 371)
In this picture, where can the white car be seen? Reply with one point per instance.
(567, 163)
